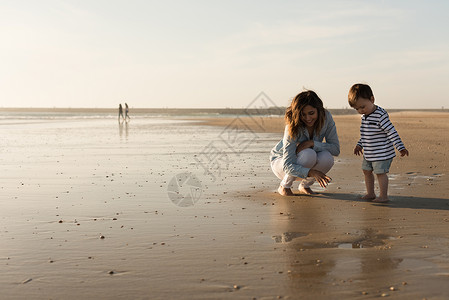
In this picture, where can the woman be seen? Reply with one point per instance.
(302, 152)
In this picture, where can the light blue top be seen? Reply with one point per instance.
(286, 148)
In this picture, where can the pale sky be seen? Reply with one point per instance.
(214, 54)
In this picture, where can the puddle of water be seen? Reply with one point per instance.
(393, 176)
(369, 239)
(350, 246)
(412, 173)
(426, 177)
(311, 245)
(287, 237)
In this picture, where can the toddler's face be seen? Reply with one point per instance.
(365, 106)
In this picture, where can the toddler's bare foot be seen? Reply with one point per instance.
(368, 197)
(381, 200)
(285, 191)
(307, 191)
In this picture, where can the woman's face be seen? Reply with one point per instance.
(309, 115)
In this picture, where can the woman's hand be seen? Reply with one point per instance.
(304, 145)
(320, 177)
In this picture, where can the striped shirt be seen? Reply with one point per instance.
(378, 135)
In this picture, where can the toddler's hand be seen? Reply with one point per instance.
(404, 152)
(358, 150)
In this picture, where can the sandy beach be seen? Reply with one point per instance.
(163, 208)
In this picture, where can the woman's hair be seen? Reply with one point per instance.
(359, 90)
(293, 112)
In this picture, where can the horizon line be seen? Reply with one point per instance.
(202, 108)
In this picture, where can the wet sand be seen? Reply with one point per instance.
(89, 211)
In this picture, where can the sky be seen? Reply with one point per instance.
(220, 54)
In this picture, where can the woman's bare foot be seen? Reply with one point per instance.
(368, 197)
(285, 191)
(381, 200)
(307, 191)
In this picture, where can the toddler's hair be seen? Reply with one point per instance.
(359, 90)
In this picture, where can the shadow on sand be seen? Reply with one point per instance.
(395, 201)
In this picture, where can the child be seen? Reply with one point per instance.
(378, 136)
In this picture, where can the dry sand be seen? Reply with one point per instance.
(86, 214)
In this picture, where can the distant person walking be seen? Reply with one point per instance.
(127, 118)
(120, 112)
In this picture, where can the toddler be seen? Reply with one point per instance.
(377, 141)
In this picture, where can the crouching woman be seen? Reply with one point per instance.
(306, 151)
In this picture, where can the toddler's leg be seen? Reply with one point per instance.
(369, 183)
(383, 186)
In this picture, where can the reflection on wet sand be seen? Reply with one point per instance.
(120, 129)
(329, 250)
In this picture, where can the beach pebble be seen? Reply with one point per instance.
(102, 236)
(236, 287)
(392, 288)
